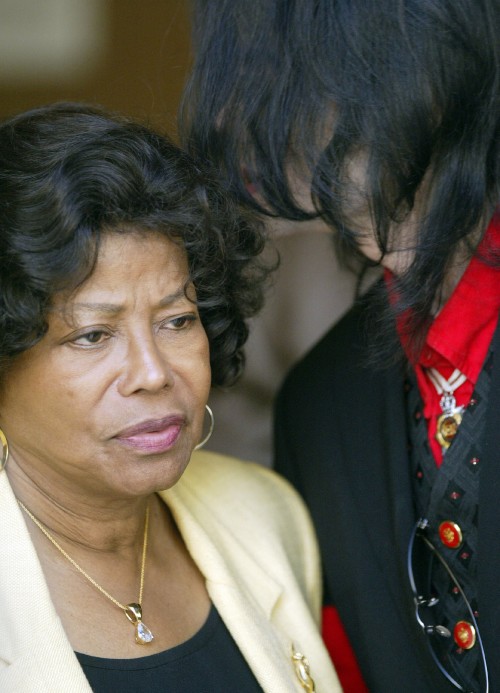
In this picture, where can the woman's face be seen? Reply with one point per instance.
(111, 401)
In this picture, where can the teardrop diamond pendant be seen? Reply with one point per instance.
(143, 636)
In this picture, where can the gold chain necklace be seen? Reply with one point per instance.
(133, 611)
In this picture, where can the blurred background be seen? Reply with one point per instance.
(133, 57)
(125, 55)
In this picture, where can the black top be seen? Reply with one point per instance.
(209, 662)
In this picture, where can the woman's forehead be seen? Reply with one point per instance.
(129, 266)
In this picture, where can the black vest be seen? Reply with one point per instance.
(450, 493)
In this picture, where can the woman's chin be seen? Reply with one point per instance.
(146, 474)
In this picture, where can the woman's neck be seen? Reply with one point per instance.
(96, 523)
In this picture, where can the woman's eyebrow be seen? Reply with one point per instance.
(175, 296)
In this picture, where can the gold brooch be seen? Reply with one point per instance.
(302, 670)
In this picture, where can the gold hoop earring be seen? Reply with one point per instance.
(5, 450)
(210, 431)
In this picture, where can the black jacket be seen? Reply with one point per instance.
(341, 439)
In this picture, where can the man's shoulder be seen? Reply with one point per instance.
(341, 349)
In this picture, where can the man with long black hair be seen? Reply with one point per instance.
(380, 120)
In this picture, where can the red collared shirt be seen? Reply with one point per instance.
(461, 334)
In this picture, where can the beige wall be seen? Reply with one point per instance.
(126, 55)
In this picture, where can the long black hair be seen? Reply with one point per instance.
(68, 174)
(409, 88)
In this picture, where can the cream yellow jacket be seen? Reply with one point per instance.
(251, 538)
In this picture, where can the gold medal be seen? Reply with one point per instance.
(447, 427)
(449, 421)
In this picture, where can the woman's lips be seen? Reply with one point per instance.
(153, 436)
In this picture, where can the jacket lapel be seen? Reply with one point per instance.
(243, 593)
(35, 653)
(372, 437)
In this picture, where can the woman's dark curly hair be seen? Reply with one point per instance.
(68, 174)
(413, 86)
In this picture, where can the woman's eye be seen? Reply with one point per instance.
(180, 322)
(90, 338)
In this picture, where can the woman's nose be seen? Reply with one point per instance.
(147, 368)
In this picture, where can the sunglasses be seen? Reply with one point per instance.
(424, 562)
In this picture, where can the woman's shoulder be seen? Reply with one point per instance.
(220, 473)
(245, 488)
(247, 508)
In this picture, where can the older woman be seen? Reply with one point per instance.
(125, 280)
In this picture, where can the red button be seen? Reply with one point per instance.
(450, 534)
(464, 635)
